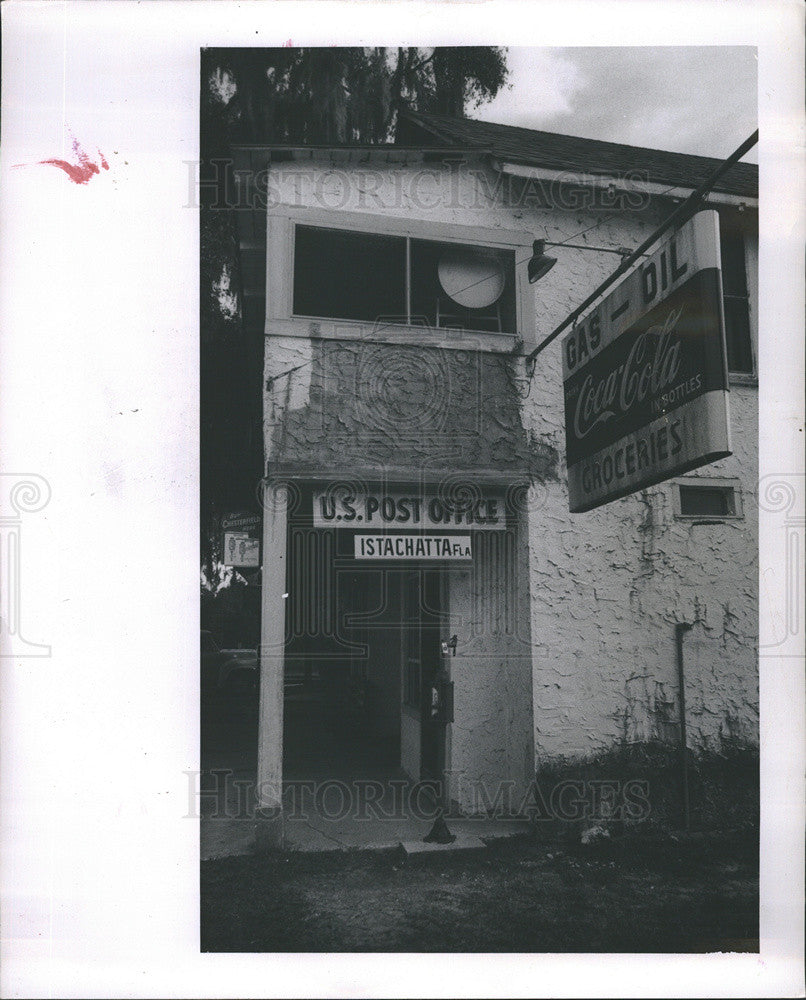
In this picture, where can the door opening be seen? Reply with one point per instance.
(361, 655)
(421, 657)
(342, 663)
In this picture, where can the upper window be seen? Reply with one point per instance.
(348, 275)
(734, 290)
(369, 277)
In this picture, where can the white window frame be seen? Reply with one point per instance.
(280, 318)
(751, 277)
(750, 241)
(708, 482)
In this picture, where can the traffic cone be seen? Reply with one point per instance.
(439, 833)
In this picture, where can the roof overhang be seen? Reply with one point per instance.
(358, 155)
(616, 183)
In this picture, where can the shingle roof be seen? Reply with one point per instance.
(575, 154)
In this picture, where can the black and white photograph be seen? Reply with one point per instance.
(486, 395)
(407, 444)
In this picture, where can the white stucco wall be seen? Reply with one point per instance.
(607, 589)
(604, 589)
(492, 736)
(608, 586)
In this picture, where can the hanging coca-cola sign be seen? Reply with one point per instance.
(645, 373)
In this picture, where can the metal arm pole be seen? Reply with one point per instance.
(676, 216)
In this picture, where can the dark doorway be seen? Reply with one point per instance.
(422, 662)
(342, 661)
(362, 654)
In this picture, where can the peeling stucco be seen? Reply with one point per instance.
(586, 658)
(608, 588)
(374, 406)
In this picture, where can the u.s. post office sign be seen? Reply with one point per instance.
(645, 373)
(360, 509)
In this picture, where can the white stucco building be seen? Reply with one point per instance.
(390, 405)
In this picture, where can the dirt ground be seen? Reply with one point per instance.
(631, 894)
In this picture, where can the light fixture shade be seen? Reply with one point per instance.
(540, 263)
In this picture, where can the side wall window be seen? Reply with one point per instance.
(707, 499)
(735, 293)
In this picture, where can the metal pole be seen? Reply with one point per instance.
(680, 629)
(682, 210)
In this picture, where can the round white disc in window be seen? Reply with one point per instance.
(472, 278)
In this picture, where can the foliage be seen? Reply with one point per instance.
(723, 785)
(341, 95)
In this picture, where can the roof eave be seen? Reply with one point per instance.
(594, 180)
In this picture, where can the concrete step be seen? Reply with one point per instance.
(462, 843)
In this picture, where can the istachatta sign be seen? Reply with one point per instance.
(419, 547)
(645, 374)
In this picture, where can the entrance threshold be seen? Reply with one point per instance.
(318, 833)
(364, 814)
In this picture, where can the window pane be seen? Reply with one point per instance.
(734, 274)
(348, 275)
(709, 501)
(737, 332)
(734, 288)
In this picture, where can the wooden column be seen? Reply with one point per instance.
(269, 827)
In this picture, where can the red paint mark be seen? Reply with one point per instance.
(79, 173)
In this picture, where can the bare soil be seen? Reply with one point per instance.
(630, 894)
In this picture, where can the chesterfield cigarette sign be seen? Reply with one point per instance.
(645, 374)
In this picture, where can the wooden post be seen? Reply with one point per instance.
(269, 825)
